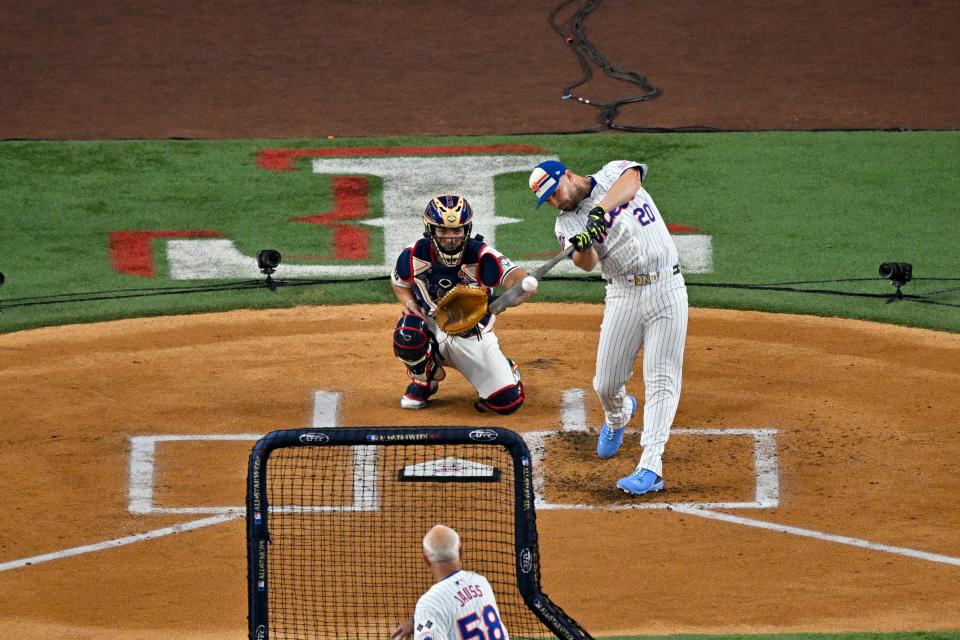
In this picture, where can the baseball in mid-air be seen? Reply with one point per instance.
(529, 284)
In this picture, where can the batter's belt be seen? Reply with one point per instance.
(646, 278)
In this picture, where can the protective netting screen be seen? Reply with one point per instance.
(345, 527)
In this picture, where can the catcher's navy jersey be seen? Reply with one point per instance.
(419, 268)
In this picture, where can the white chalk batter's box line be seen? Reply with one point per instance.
(326, 413)
(142, 472)
(765, 469)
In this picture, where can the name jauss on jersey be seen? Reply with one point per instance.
(468, 593)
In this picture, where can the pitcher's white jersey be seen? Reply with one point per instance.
(459, 607)
(637, 241)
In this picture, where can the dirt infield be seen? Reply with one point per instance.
(863, 534)
(863, 450)
(226, 69)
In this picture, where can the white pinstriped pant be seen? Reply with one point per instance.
(653, 317)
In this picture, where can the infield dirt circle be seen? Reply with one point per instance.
(865, 418)
(864, 534)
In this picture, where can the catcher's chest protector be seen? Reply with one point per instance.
(438, 278)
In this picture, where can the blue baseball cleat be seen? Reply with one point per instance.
(641, 482)
(610, 440)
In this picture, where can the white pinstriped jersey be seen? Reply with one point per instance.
(459, 607)
(652, 317)
(637, 241)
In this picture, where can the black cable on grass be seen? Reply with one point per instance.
(122, 294)
(844, 280)
(830, 292)
(921, 298)
(933, 293)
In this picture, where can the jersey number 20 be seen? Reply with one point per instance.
(644, 214)
(470, 627)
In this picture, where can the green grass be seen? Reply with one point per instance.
(780, 207)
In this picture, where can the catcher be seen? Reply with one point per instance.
(443, 281)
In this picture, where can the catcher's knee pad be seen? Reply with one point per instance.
(416, 347)
(506, 400)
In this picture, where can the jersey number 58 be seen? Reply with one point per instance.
(492, 628)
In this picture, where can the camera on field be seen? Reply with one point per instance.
(901, 272)
(898, 273)
(268, 260)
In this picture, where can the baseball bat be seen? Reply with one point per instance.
(511, 295)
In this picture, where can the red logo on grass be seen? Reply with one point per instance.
(131, 252)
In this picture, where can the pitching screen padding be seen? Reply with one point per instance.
(345, 526)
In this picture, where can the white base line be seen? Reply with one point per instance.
(326, 409)
(808, 533)
(142, 464)
(573, 414)
(119, 542)
(766, 470)
(326, 414)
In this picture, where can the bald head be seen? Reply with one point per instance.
(442, 545)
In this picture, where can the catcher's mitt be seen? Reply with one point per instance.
(461, 308)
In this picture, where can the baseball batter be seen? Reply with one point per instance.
(610, 219)
(447, 256)
(460, 605)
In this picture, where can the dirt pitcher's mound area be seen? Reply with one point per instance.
(845, 432)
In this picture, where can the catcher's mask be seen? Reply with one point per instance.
(448, 212)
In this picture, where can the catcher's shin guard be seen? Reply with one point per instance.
(416, 347)
(505, 401)
(417, 394)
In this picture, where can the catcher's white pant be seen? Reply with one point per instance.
(479, 360)
(653, 317)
